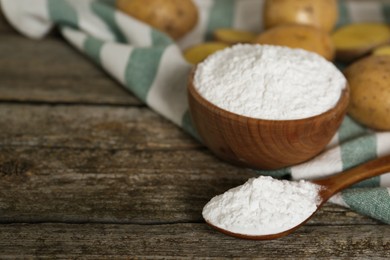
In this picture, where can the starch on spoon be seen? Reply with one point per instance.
(263, 206)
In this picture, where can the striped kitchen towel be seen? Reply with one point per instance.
(151, 65)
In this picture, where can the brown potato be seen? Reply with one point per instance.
(318, 13)
(200, 52)
(175, 17)
(299, 36)
(369, 81)
(233, 36)
(355, 40)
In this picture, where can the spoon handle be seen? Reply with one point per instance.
(338, 182)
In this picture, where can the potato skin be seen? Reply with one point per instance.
(233, 36)
(383, 50)
(369, 81)
(299, 36)
(356, 40)
(200, 52)
(175, 17)
(318, 13)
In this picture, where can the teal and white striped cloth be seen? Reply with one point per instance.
(151, 65)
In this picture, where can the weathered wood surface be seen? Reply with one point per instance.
(101, 157)
(73, 186)
(189, 240)
(51, 71)
(89, 127)
(87, 171)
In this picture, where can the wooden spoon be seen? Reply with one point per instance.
(329, 187)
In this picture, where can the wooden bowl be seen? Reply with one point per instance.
(263, 144)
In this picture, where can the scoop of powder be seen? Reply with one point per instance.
(263, 206)
(269, 82)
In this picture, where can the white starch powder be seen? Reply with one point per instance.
(263, 206)
(269, 82)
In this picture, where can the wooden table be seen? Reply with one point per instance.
(86, 170)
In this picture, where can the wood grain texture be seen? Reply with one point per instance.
(336, 183)
(77, 186)
(83, 185)
(89, 127)
(110, 164)
(188, 240)
(51, 71)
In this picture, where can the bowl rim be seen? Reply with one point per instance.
(340, 107)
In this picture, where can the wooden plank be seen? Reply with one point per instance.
(109, 164)
(188, 240)
(89, 127)
(51, 71)
(120, 186)
(116, 186)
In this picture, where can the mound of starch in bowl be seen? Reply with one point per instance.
(269, 82)
(263, 206)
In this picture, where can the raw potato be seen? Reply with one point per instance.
(383, 50)
(175, 17)
(299, 36)
(200, 52)
(318, 13)
(355, 40)
(369, 81)
(232, 36)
